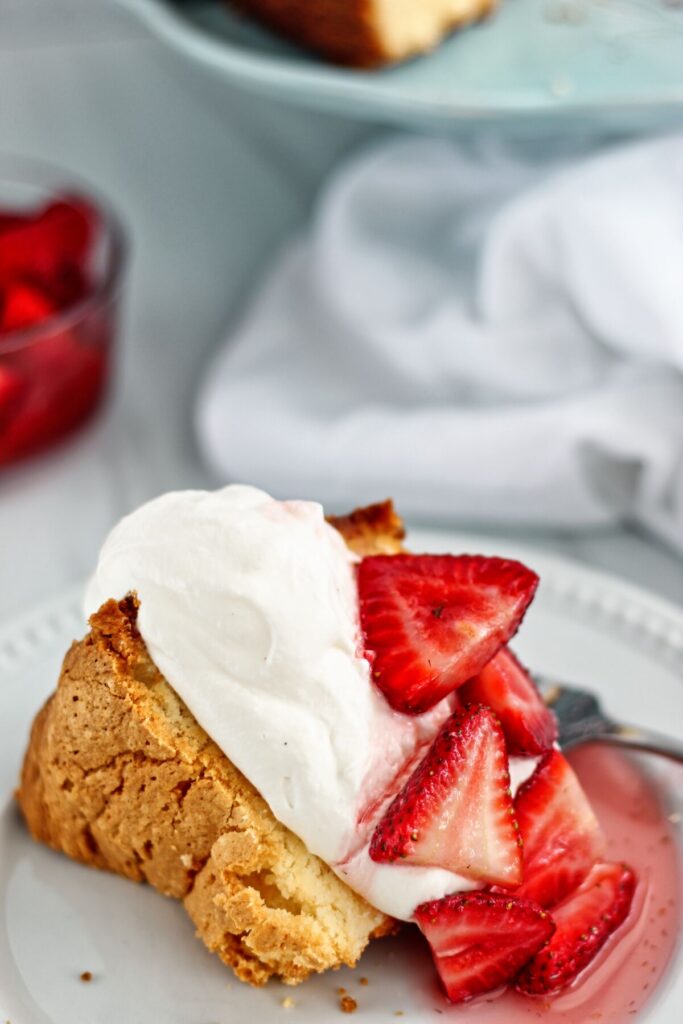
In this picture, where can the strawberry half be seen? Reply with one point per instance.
(431, 622)
(506, 687)
(455, 811)
(38, 246)
(481, 940)
(561, 835)
(24, 306)
(12, 391)
(584, 922)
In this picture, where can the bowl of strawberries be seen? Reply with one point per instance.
(62, 254)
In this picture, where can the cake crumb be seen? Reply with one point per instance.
(363, 981)
(398, 1013)
(341, 991)
(86, 976)
(288, 1003)
(347, 1004)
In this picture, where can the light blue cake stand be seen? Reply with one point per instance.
(538, 63)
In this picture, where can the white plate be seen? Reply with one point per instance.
(58, 919)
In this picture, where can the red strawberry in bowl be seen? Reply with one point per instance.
(584, 922)
(506, 687)
(12, 393)
(480, 940)
(40, 245)
(431, 622)
(23, 305)
(9, 221)
(455, 811)
(561, 836)
(58, 269)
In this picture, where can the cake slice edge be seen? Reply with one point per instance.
(120, 776)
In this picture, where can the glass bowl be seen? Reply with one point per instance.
(62, 256)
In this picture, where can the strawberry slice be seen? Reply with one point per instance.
(69, 285)
(561, 835)
(506, 687)
(431, 622)
(481, 940)
(584, 923)
(41, 246)
(12, 391)
(24, 306)
(72, 223)
(10, 221)
(455, 811)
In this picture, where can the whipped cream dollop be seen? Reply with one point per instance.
(249, 607)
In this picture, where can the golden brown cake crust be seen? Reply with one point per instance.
(341, 30)
(372, 530)
(119, 775)
(348, 32)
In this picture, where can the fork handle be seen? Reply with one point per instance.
(642, 739)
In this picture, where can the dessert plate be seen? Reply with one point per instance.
(59, 920)
(618, 63)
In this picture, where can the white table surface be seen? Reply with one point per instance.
(209, 181)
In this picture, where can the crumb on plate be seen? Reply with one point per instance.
(347, 1004)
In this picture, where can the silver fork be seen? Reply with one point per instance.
(582, 720)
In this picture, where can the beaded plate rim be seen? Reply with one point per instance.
(635, 614)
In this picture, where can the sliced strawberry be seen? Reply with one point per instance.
(41, 245)
(24, 306)
(506, 687)
(455, 811)
(481, 940)
(63, 381)
(584, 923)
(12, 390)
(72, 223)
(561, 835)
(431, 622)
(10, 221)
(69, 285)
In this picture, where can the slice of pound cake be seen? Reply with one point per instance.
(366, 33)
(119, 775)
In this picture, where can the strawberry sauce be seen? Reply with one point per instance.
(625, 974)
(54, 344)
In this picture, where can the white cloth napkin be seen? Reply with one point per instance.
(482, 338)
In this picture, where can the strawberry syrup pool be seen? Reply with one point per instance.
(625, 974)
